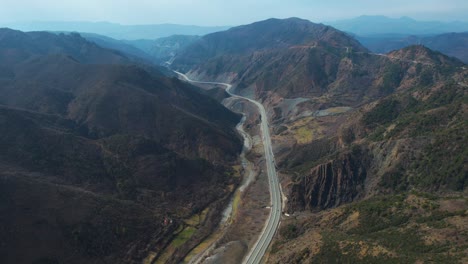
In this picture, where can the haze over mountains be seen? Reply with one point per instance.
(378, 33)
(117, 31)
(363, 25)
(104, 158)
(452, 44)
(370, 25)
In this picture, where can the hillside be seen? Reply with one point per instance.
(157, 51)
(384, 182)
(96, 153)
(389, 185)
(17, 46)
(360, 139)
(272, 34)
(120, 45)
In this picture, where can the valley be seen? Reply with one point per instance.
(326, 152)
(267, 234)
(278, 141)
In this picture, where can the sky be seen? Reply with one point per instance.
(222, 12)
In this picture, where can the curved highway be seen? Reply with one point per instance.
(258, 251)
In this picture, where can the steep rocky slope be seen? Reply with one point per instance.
(101, 159)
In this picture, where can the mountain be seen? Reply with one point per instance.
(156, 51)
(110, 43)
(385, 182)
(17, 46)
(117, 31)
(370, 148)
(265, 35)
(390, 120)
(294, 58)
(451, 44)
(290, 57)
(102, 160)
(92, 51)
(368, 25)
(164, 49)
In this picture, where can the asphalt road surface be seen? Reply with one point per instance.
(258, 251)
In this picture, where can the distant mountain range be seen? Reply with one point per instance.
(120, 45)
(117, 31)
(363, 25)
(368, 25)
(382, 34)
(452, 44)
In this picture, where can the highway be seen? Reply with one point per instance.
(256, 254)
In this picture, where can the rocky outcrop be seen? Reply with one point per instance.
(329, 184)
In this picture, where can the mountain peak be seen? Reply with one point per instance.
(369, 17)
(424, 55)
(264, 35)
(407, 18)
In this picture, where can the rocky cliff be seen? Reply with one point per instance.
(329, 184)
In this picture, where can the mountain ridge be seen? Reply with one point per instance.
(118, 31)
(366, 25)
(452, 44)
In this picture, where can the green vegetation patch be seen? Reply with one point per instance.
(379, 213)
(443, 162)
(439, 123)
(333, 251)
(290, 231)
(394, 229)
(392, 77)
(384, 112)
(183, 236)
